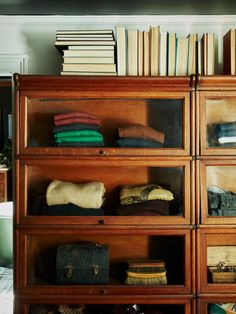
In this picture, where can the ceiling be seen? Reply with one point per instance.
(117, 7)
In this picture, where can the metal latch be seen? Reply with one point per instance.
(95, 269)
(69, 271)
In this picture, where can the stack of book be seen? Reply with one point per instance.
(155, 53)
(230, 52)
(87, 52)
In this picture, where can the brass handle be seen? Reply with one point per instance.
(102, 152)
(95, 269)
(69, 271)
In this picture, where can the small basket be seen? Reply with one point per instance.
(219, 276)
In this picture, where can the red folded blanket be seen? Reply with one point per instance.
(75, 114)
(77, 120)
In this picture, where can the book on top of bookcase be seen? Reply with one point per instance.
(229, 52)
(89, 67)
(171, 54)
(140, 53)
(163, 54)
(88, 60)
(154, 50)
(132, 69)
(84, 42)
(181, 66)
(85, 31)
(89, 53)
(146, 53)
(91, 47)
(121, 48)
(84, 73)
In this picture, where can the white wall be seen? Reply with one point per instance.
(35, 35)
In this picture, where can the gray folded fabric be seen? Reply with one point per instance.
(138, 142)
(221, 200)
(80, 144)
(76, 126)
(72, 210)
(222, 212)
(86, 195)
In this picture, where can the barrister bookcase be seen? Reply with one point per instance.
(189, 162)
(215, 172)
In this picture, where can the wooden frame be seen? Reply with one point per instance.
(216, 105)
(183, 303)
(204, 300)
(221, 173)
(35, 175)
(113, 99)
(143, 243)
(212, 236)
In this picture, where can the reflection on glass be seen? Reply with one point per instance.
(221, 123)
(221, 190)
(138, 123)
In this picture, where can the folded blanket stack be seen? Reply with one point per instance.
(140, 136)
(226, 132)
(77, 129)
(143, 200)
(221, 202)
(146, 272)
(66, 198)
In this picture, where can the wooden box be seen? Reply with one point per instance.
(221, 262)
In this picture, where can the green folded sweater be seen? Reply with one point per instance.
(80, 139)
(77, 133)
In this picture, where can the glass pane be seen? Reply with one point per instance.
(43, 268)
(129, 190)
(162, 120)
(215, 308)
(221, 190)
(221, 123)
(109, 308)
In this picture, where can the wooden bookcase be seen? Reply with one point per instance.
(215, 167)
(181, 107)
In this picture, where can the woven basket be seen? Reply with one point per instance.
(222, 277)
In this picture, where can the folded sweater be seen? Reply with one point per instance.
(74, 114)
(80, 144)
(77, 120)
(147, 208)
(72, 210)
(130, 194)
(76, 126)
(141, 131)
(138, 142)
(80, 139)
(86, 195)
(76, 133)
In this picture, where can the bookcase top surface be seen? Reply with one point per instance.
(45, 82)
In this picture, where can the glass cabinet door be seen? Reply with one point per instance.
(218, 193)
(218, 123)
(156, 125)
